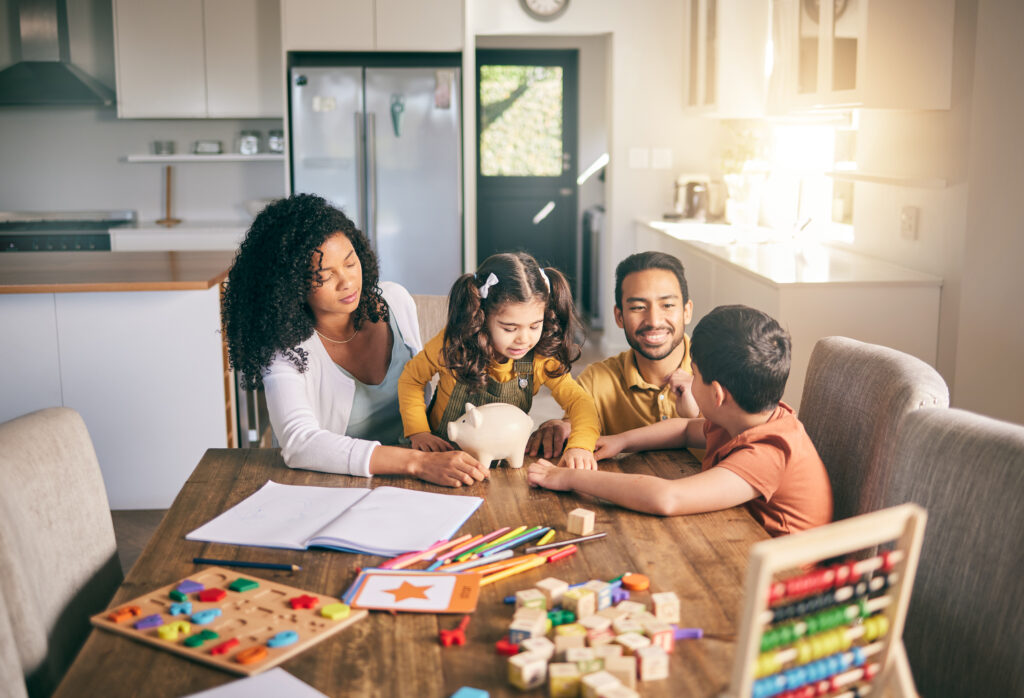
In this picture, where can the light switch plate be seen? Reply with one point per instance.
(661, 158)
(639, 158)
(909, 216)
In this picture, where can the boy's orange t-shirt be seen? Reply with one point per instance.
(778, 460)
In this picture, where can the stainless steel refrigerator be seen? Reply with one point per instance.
(383, 142)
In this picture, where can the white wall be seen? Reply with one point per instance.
(645, 109)
(990, 356)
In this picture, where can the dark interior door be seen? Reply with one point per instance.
(527, 115)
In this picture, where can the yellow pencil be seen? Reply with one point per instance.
(511, 534)
(528, 565)
(546, 537)
(503, 564)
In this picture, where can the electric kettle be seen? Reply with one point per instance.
(691, 197)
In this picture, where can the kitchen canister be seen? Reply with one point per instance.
(275, 140)
(249, 142)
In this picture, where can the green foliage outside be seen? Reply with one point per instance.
(521, 120)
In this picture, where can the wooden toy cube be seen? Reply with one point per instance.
(626, 625)
(581, 522)
(592, 684)
(652, 663)
(613, 612)
(563, 643)
(563, 680)
(603, 591)
(643, 617)
(599, 630)
(619, 691)
(661, 634)
(521, 630)
(531, 598)
(527, 670)
(606, 651)
(666, 606)
(552, 588)
(533, 616)
(632, 607)
(581, 601)
(539, 645)
(631, 642)
(584, 658)
(623, 668)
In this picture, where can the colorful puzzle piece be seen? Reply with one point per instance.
(172, 630)
(251, 655)
(187, 586)
(200, 637)
(304, 601)
(212, 595)
(243, 584)
(206, 616)
(334, 611)
(224, 647)
(125, 613)
(283, 639)
(153, 621)
(183, 608)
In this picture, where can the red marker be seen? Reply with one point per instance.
(562, 552)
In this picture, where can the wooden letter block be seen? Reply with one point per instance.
(563, 643)
(603, 591)
(581, 601)
(563, 680)
(661, 634)
(631, 642)
(631, 607)
(619, 691)
(626, 625)
(652, 663)
(599, 630)
(581, 522)
(622, 668)
(553, 589)
(666, 606)
(531, 598)
(539, 645)
(591, 685)
(584, 658)
(527, 670)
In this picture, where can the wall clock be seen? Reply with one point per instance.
(544, 10)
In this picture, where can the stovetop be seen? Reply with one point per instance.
(58, 231)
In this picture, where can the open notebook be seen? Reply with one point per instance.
(380, 521)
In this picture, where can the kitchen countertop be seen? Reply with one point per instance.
(75, 272)
(793, 262)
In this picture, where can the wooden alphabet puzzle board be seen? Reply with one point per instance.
(251, 613)
(811, 628)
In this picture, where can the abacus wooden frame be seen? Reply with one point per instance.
(903, 524)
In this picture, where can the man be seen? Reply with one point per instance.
(651, 381)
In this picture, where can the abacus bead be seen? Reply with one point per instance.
(858, 656)
(860, 589)
(804, 653)
(808, 692)
(887, 561)
(870, 671)
(842, 573)
(812, 625)
(760, 689)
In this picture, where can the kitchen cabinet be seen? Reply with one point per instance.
(372, 25)
(814, 291)
(895, 54)
(198, 59)
(724, 57)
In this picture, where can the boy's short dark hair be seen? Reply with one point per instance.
(642, 261)
(746, 351)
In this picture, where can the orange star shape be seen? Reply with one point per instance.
(408, 591)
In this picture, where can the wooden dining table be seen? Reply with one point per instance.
(703, 558)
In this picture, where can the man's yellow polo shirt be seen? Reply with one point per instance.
(623, 398)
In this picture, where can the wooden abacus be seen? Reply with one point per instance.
(812, 629)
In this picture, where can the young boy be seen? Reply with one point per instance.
(758, 453)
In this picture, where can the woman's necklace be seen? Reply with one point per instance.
(337, 341)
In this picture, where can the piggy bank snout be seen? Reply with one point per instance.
(453, 431)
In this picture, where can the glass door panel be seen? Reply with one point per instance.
(808, 47)
(845, 44)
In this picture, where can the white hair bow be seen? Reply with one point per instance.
(485, 288)
(545, 277)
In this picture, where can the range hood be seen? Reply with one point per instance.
(44, 75)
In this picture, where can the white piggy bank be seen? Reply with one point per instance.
(497, 431)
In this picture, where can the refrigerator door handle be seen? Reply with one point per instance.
(371, 177)
(360, 169)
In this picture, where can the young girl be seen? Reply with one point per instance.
(510, 331)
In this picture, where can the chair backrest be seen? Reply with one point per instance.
(58, 555)
(432, 312)
(853, 399)
(965, 627)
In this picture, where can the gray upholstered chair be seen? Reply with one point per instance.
(853, 399)
(58, 556)
(965, 627)
(432, 312)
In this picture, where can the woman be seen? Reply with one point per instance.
(306, 318)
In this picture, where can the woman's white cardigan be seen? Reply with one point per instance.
(310, 411)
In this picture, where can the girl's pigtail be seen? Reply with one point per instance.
(561, 323)
(464, 350)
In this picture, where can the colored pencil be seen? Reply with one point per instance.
(400, 561)
(429, 553)
(241, 563)
(479, 540)
(562, 552)
(519, 540)
(470, 564)
(581, 539)
(546, 537)
(511, 534)
(528, 565)
(504, 564)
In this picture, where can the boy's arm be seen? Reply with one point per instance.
(710, 490)
(669, 433)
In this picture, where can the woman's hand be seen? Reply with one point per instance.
(425, 441)
(609, 446)
(579, 459)
(451, 469)
(543, 474)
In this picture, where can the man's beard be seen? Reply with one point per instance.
(657, 354)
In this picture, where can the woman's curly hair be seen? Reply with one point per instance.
(467, 349)
(264, 308)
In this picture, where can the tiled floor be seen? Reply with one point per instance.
(134, 528)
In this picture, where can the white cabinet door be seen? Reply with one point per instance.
(159, 51)
(327, 25)
(30, 378)
(244, 75)
(426, 25)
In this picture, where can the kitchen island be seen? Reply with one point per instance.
(813, 290)
(131, 340)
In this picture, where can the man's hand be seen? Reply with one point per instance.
(425, 441)
(543, 474)
(609, 446)
(578, 459)
(549, 439)
(451, 469)
(680, 384)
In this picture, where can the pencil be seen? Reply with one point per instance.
(470, 564)
(581, 539)
(242, 563)
(528, 565)
(546, 538)
(513, 542)
(511, 534)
